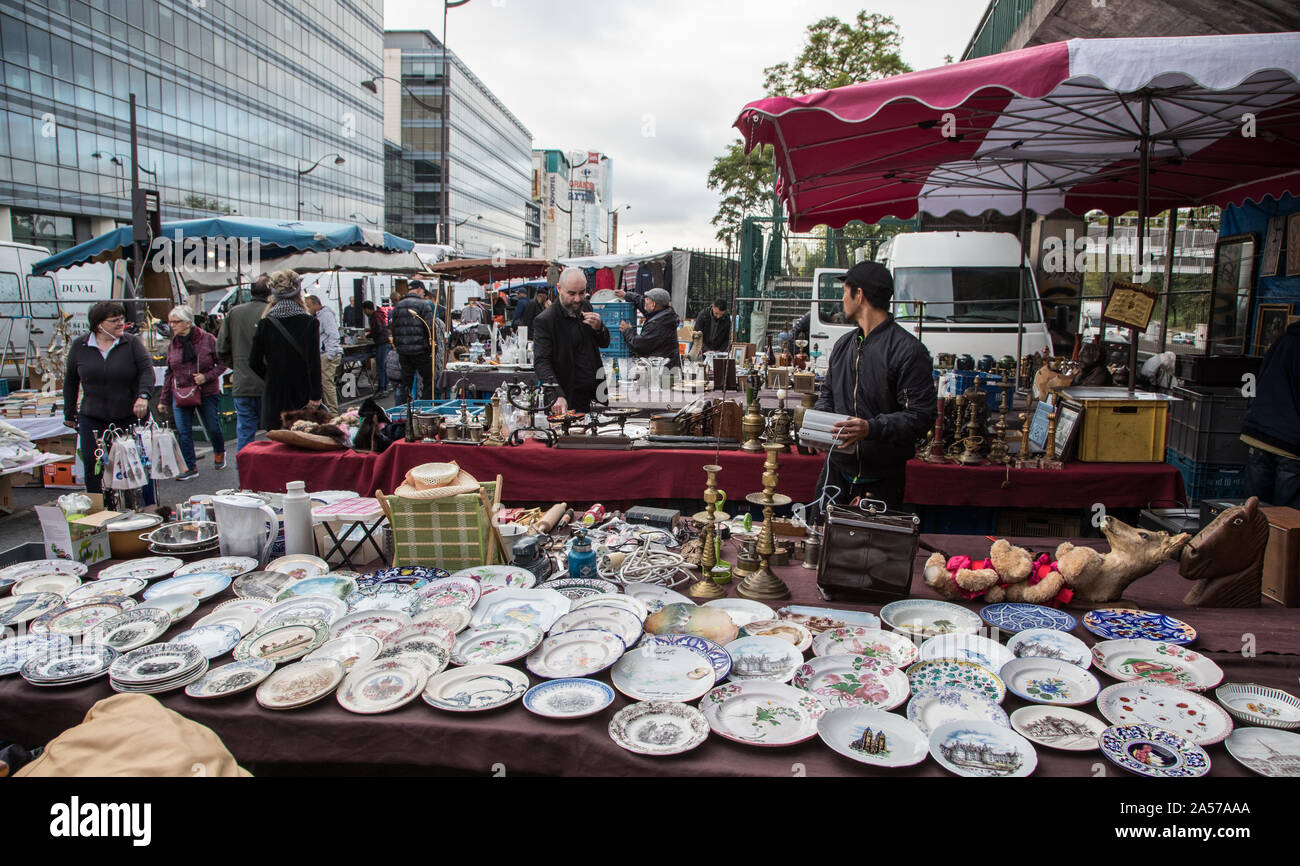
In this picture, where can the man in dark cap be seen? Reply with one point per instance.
(418, 337)
(658, 337)
(880, 376)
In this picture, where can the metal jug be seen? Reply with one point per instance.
(248, 526)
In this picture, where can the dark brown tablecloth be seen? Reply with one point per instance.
(523, 743)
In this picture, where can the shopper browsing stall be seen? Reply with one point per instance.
(193, 383)
(567, 339)
(714, 325)
(658, 337)
(286, 352)
(417, 337)
(331, 352)
(233, 345)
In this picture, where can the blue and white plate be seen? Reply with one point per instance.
(1015, 617)
(1048, 681)
(384, 596)
(1154, 752)
(415, 576)
(1120, 623)
(202, 585)
(715, 653)
(571, 698)
(933, 707)
(212, 640)
(15, 651)
(1048, 643)
(982, 749)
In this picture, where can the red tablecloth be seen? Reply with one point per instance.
(532, 472)
(1078, 485)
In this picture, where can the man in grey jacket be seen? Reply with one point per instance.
(331, 351)
(233, 343)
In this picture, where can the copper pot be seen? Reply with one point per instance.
(124, 541)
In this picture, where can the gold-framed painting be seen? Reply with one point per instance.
(1270, 323)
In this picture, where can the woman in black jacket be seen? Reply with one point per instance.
(286, 352)
(113, 368)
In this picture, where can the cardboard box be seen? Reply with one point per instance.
(1282, 556)
(84, 540)
(60, 475)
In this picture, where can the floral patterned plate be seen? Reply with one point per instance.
(1048, 681)
(568, 698)
(762, 713)
(1185, 713)
(494, 577)
(379, 624)
(926, 618)
(1119, 623)
(231, 679)
(797, 635)
(967, 647)
(455, 617)
(1058, 727)
(933, 707)
(447, 591)
(1049, 643)
(75, 620)
(1153, 752)
(981, 749)
(852, 681)
(1158, 662)
(477, 687)
(576, 653)
(938, 673)
(1260, 705)
(385, 596)
(495, 643)
(897, 649)
(382, 685)
(662, 672)
(659, 728)
(874, 737)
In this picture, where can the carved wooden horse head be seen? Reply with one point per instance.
(1226, 558)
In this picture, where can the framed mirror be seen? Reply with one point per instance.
(1230, 297)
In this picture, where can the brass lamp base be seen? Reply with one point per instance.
(705, 587)
(764, 586)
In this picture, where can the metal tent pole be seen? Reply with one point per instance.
(1024, 274)
(1171, 230)
(1144, 168)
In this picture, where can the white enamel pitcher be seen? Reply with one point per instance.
(248, 526)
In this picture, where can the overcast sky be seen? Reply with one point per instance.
(655, 84)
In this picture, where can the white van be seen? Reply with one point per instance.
(957, 291)
(334, 288)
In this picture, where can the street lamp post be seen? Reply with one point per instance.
(611, 228)
(460, 223)
(338, 160)
(116, 160)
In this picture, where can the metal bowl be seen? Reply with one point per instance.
(183, 535)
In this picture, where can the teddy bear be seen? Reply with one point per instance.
(1009, 573)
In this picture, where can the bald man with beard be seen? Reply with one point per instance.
(567, 338)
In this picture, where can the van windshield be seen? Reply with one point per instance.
(961, 294)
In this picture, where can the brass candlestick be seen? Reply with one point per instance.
(778, 432)
(763, 584)
(494, 407)
(1049, 460)
(705, 587)
(973, 441)
(998, 451)
(752, 424)
(1026, 460)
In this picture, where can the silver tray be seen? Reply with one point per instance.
(183, 535)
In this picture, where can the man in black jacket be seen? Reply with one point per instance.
(415, 331)
(1272, 425)
(658, 337)
(880, 376)
(715, 326)
(567, 338)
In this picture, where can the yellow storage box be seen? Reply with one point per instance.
(1118, 427)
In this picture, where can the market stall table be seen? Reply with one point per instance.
(325, 735)
(1078, 485)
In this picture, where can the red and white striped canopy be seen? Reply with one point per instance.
(1062, 121)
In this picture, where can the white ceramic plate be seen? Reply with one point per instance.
(874, 737)
(17, 609)
(43, 566)
(659, 728)
(382, 685)
(262, 584)
(1154, 661)
(1260, 705)
(448, 591)
(568, 698)
(230, 566)
(255, 606)
(494, 577)
(762, 713)
(897, 649)
(212, 640)
(300, 684)
(948, 673)
(58, 583)
(456, 617)
(148, 568)
(968, 648)
(156, 663)
(495, 644)
(131, 629)
(1048, 681)
(243, 621)
(177, 606)
(820, 619)
(331, 585)
(926, 618)
(281, 644)
(536, 607)
(475, 687)
(75, 620)
(325, 607)
(348, 650)
(379, 624)
(68, 665)
(433, 632)
(1185, 713)
(299, 565)
(763, 658)
(201, 586)
(654, 596)
(662, 672)
(852, 681)
(974, 748)
(618, 620)
(632, 605)
(1050, 643)
(932, 708)
(231, 679)
(1058, 727)
(15, 652)
(385, 596)
(112, 586)
(798, 636)
(742, 611)
(577, 653)
(1267, 751)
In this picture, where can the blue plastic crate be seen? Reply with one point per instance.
(4, 387)
(612, 314)
(442, 407)
(1209, 480)
(992, 384)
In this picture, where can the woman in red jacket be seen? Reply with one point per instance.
(193, 382)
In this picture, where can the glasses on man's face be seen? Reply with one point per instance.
(114, 320)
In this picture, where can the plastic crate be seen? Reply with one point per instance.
(442, 407)
(612, 314)
(1209, 480)
(1205, 425)
(992, 384)
(4, 387)
(1119, 429)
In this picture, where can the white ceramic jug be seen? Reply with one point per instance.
(248, 526)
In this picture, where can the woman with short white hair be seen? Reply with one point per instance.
(193, 383)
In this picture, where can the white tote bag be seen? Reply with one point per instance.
(124, 469)
(165, 457)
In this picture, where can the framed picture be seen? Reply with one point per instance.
(1270, 322)
(1293, 245)
(1038, 425)
(1268, 264)
(1129, 305)
(1231, 295)
(1067, 423)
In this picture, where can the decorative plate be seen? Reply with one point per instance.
(659, 728)
(1015, 617)
(972, 748)
(44, 566)
(379, 624)
(451, 590)
(300, 684)
(742, 611)
(1267, 751)
(578, 588)
(385, 596)
(966, 647)
(495, 643)
(455, 617)
(476, 687)
(763, 658)
(926, 618)
(897, 649)
(330, 585)
(255, 606)
(820, 619)
(874, 737)
(654, 596)
(212, 640)
(231, 679)
(16, 651)
(539, 607)
(299, 565)
(577, 653)
(934, 707)
(1157, 662)
(242, 621)
(67, 665)
(230, 566)
(177, 606)
(1154, 752)
(127, 586)
(17, 609)
(852, 681)
(494, 577)
(262, 584)
(382, 685)
(618, 620)
(348, 650)
(1119, 623)
(435, 632)
(707, 622)
(412, 575)
(56, 582)
(940, 673)
(1048, 681)
(131, 629)
(569, 698)
(75, 620)
(762, 713)
(420, 650)
(323, 607)
(662, 672)
(1260, 705)
(201, 586)
(1187, 714)
(614, 599)
(718, 656)
(148, 568)
(1048, 643)
(282, 644)
(798, 636)
(1058, 727)
(156, 663)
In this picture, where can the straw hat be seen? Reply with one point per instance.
(436, 481)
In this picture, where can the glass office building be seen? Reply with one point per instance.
(489, 156)
(234, 99)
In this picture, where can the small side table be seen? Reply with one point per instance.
(362, 515)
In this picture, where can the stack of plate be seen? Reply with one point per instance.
(187, 539)
(156, 668)
(69, 665)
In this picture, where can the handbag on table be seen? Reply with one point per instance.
(867, 553)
